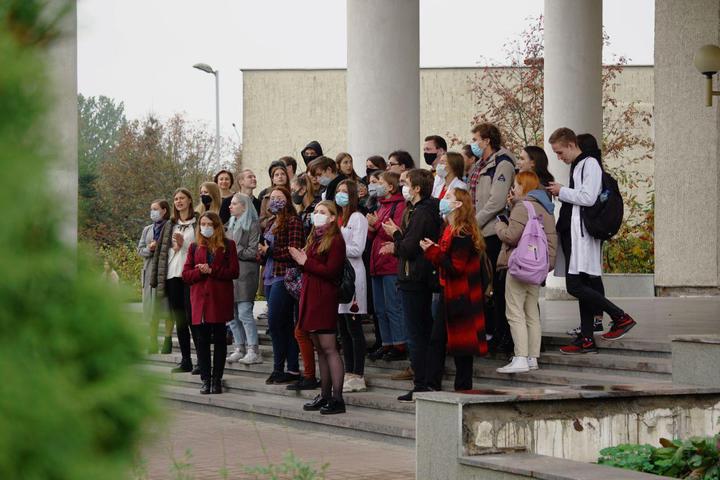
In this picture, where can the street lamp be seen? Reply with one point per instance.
(208, 69)
(707, 62)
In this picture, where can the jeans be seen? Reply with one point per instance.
(178, 294)
(417, 307)
(207, 333)
(243, 326)
(281, 325)
(388, 310)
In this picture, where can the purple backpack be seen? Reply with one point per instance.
(529, 262)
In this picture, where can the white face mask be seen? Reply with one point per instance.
(407, 194)
(155, 215)
(441, 170)
(319, 220)
(207, 232)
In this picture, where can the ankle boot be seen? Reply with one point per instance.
(167, 346)
(216, 385)
(205, 389)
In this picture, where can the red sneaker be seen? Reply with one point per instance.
(580, 345)
(620, 327)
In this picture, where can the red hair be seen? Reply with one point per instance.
(529, 181)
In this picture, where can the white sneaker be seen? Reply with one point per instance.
(251, 358)
(532, 363)
(355, 383)
(516, 365)
(237, 354)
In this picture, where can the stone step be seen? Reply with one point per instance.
(391, 426)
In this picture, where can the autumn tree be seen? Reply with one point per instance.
(512, 98)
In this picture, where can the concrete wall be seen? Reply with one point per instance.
(284, 109)
(687, 138)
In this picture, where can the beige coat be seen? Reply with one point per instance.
(510, 234)
(491, 192)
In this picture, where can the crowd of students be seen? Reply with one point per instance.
(439, 257)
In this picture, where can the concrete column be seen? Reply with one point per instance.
(62, 123)
(383, 78)
(573, 75)
(687, 151)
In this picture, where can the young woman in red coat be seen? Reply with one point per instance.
(322, 263)
(458, 257)
(210, 268)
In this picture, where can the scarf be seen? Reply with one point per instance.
(157, 229)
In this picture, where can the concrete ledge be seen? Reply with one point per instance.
(527, 465)
(695, 360)
(617, 285)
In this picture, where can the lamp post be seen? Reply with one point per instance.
(208, 69)
(707, 62)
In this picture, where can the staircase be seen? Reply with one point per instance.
(376, 413)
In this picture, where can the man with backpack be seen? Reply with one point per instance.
(581, 250)
(489, 182)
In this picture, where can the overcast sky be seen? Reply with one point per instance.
(141, 52)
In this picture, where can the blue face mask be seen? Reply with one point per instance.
(342, 199)
(446, 207)
(476, 150)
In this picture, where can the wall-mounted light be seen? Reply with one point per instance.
(707, 61)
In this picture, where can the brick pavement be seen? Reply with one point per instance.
(218, 442)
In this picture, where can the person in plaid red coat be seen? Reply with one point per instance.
(457, 256)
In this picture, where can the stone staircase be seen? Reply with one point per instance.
(376, 413)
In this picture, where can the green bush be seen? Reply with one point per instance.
(632, 250)
(128, 265)
(696, 458)
(74, 400)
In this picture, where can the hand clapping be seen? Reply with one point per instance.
(299, 256)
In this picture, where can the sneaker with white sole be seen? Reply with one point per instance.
(252, 357)
(597, 327)
(532, 363)
(355, 383)
(236, 355)
(516, 365)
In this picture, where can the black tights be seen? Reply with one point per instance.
(332, 372)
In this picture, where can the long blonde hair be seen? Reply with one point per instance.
(329, 235)
(214, 192)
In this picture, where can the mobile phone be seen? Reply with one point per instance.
(503, 218)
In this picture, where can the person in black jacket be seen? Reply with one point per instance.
(416, 276)
(326, 171)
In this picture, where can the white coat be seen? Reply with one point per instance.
(586, 251)
(355, 236)
(440, 182)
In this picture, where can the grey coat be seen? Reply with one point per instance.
(247, 241)
(143, 250)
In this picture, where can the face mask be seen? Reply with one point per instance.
(319, 220)
(407, 194)
(155, 215)
(441, 170)
(297, 199)
(207, 232)
(309, 158)
(430, 158)
(370, 171)
(324, 181)
(276, 206)
(342, 199)
(380, 190)
(446, 207)
(206, 200)
(477, 151)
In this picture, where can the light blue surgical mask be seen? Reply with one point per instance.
(446, 207)
(207, 232)
(155, 215)
(324, 181)
(380, 190)
(342, 199)
(476, 150)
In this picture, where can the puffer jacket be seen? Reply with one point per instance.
(493, 185)
(511, 233)
(159, 264)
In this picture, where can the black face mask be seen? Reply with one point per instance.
(370, 171)
(430, 158)
(206, 200)
(297, 198)
(309, 158)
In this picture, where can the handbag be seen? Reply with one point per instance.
(293, 282)
(346, 290)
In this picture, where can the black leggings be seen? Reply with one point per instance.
(330, 363)
(353, 343)
(178, 294)
(206, 334)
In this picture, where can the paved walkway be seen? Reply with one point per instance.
(220, 444)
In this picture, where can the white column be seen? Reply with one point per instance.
(63, 119)
(383, 78)
(573, 75)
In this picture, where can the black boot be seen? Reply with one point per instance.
(205, 389)
(185, 365)
(216, 385)
(333, 406)
(317, 403)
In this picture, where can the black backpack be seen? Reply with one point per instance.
(346, 290)
(604, 219)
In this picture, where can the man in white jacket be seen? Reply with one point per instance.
(582, 252)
